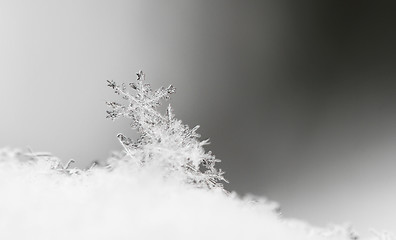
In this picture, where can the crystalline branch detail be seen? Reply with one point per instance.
(164, 140)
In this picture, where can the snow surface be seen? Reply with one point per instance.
(40, 202)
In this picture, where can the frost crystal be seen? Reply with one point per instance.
(164, 140)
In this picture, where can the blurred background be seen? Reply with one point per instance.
(297, 97)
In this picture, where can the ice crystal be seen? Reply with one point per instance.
(50, 161)
(164, 140)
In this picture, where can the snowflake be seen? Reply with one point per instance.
(164, 140)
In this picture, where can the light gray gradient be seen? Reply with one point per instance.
(297, 97)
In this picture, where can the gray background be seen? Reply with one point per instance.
(297, 97)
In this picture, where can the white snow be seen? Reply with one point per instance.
(37, 202)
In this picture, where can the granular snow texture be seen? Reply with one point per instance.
(38, 202)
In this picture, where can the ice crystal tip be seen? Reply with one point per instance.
(163, 138)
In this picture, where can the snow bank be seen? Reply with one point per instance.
(40, 202)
